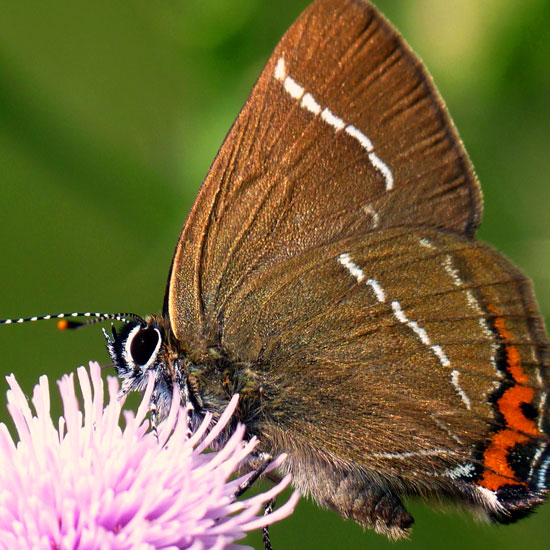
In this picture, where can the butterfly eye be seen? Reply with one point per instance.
(142, 345)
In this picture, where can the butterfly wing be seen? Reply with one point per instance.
(329, 254)
(344, 133)
(424, 357)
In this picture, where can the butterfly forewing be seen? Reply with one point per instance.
(343, 134)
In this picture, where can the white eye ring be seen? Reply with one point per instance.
(144, 345)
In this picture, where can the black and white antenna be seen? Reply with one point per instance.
(65, 320)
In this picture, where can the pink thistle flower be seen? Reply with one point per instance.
(88, 484)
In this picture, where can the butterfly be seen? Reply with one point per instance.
(329, 274)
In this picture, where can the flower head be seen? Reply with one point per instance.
(88, 484)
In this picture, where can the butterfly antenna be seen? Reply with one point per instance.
(66, 321)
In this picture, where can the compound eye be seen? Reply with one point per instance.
(142, 345)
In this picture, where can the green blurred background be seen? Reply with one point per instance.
(111, 112)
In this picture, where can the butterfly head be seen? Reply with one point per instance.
(145, 346)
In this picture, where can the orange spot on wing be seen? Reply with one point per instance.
(514, 365)
(495, 459)
(510, 406)
(513, 359)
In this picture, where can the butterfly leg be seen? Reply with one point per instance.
(259, 463)
(153, 416)
(265, 530)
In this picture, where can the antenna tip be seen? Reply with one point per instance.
(65, 324)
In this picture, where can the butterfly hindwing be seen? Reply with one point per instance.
(429, 345)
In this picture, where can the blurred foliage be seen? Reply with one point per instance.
(110, 113)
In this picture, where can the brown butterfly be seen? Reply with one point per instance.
(328, 273)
